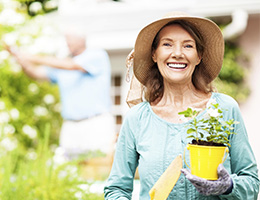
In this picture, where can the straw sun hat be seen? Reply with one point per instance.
(141, 57)
(213, 51)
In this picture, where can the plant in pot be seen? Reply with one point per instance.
(210, 139)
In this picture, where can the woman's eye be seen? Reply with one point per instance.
(167, 44)
(188, 46)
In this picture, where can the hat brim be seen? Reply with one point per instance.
(213, 48)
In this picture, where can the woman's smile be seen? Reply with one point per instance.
(177, 65)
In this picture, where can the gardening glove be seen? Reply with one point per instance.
(223, 185)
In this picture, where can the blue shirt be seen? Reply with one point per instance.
(151, 143)
(84, 95)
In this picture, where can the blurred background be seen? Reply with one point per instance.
(30, 118)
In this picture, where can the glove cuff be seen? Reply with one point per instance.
(229, 190)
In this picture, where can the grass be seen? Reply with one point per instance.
(39, 177)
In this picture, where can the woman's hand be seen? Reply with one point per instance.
(223, 185)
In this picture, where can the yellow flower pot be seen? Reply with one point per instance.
(204, 160)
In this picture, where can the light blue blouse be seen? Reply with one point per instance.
(151, 143)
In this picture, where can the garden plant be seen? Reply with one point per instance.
(211, 129)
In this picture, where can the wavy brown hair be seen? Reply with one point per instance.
(154, 85)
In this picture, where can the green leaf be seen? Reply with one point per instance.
(191, 130)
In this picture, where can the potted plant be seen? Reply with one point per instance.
(210, 139)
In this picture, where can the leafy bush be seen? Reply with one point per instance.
(38, 7)
(41, 175)
(238, 91)
(232, 70)
(25, 105)
(232, 78)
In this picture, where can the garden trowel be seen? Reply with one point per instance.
(164, 185)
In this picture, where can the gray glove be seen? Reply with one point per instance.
(223, 185)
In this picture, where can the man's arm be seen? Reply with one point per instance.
(61, 63)
(51, 61)
(35, 72)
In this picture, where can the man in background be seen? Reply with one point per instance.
(83, 79)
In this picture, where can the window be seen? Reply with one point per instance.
(116, 87)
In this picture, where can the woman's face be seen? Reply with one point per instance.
(176, 54)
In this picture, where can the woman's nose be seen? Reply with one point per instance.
(177, 52)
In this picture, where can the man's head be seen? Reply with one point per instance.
(76, 41)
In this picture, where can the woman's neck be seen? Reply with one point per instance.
(180, 95)
(179, 98)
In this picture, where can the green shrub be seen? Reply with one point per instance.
(232, 71)
(232, 78)
(37, 175)
(25, 105)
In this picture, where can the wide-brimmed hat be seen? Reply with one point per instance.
(213, 45)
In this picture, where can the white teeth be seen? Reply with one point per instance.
(179, 66)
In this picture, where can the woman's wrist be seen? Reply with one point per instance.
(229, 190)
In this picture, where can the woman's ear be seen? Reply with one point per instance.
(199, 60)
(154, 57)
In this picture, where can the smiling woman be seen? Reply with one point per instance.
(176, 58)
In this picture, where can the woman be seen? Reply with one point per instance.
(176, 59)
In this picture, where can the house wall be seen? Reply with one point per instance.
(119, 86)
(250, 43)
